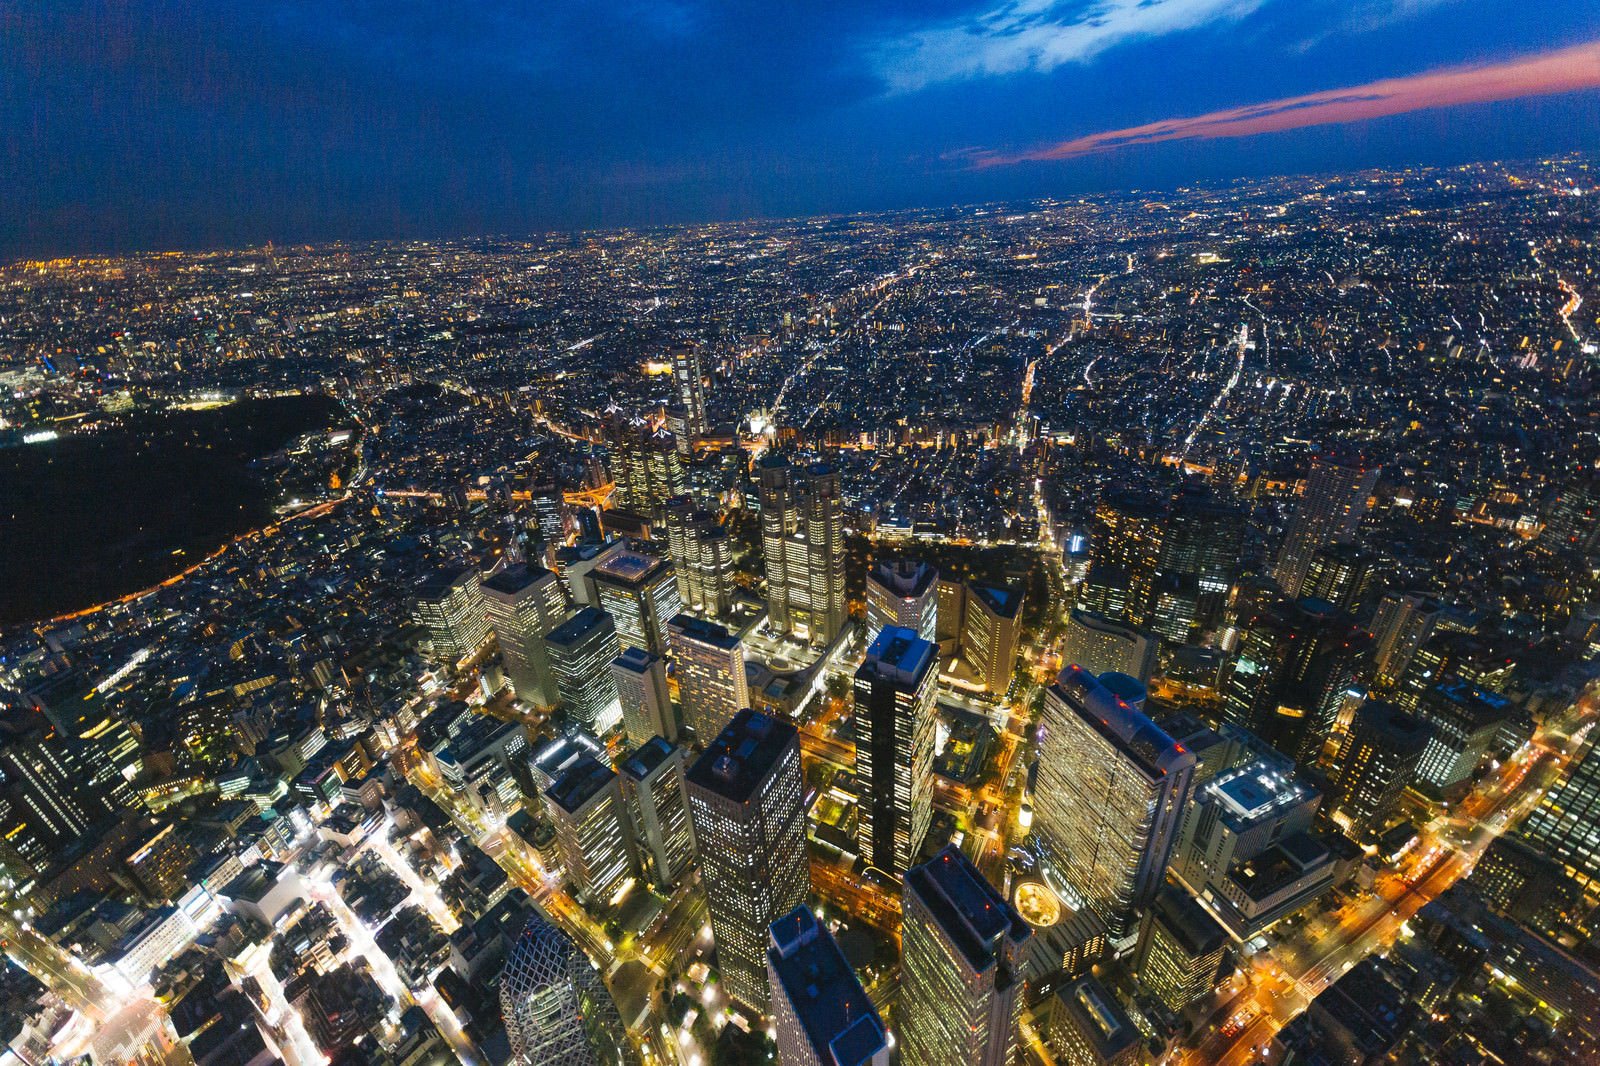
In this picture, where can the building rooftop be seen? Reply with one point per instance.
(828, 1001)
(628, 567)
(1187, 921)
(580, 626)
(899, 655)
(513, 579)
(636, 660)
(703, 631)
(1000, 600)
(971, 911)
(1096, 1014)
(907, 578)
(644, 759)
(1122, 722)
(580, 783)
(741, 755)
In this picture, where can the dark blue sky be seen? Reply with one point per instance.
(137, 124)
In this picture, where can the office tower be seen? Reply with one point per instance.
(1403, 623)
(1344, 575)
(1110, 793)
(711, 678)
(989, 635)
(749, 829)
(556, 1008)
(689, 382)
(903, 593)
(1520, 881)
(1102, 645)
(1330, 509)
(450, 607)
(647, 711)
(580, 651)
(577, 563)
(951, 616)
(1572, 521)
(1088, 1027)
(1126, 537)
(961, 959)
(821, 1015)
(1201, 543)
(645, 465)
(160, 864)
(1238, 815)
(1108, 591)
(1180, 949)
(652, 785)
(45, 780)
(1296, 663)
(702, 557)
(524, 603)
(894, 695)
(1463, 722)
(641, 593)
(1377, 762)
(802, 537)
(549, 506)
(591, 821)
(1566, 824)
(1484, 662)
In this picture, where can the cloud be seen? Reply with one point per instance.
(1560, 71)
(1038, 35)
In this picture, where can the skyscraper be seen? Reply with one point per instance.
(525, 602)
(580, 651)
(450, 605)
(894, 695)
(1111, 790)
(744, 800)
(802, 536)
(44, 778)
(585, 804)
(1180, 949)
(1377, 762)
(702, 557)
(989, 635)
(688, 380)
(652, 785)
(1566, 824)
(1201, 542)
(821, 1015)
(961, 963)
(556, 1008)
(711, 678)
(1403, 623)
(1102, 645)
(1088, 1027)
(645, 465)
(1334, 501)
(640, 592)
(903, 593)
(647, 711)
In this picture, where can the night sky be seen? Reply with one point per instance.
(138, 124)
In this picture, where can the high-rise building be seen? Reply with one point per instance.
(1201, 542)
(903, 593)
(652, 785)
(160, 864)
(688, 380)
(894, 696)
(1296, 663)
(1335, 499)
(989, 635)
(744, 801)
(45, 780)
(549, 508)
(1238, 815)
(961, 959)
(645, 464)
(586, 807)
(1403, 623)
(1127, 538)
(524, 603)
(640, 592)
(1180, 949)
(702, 557)
(450, 606)
(1566, 824)
(821, 1015)
(1102, 645)
(1110, 792)
(1088, 1027)
(580, 651)
(556, 1008)
(647, 711)
(1572, 520)
(1463, 722)
(1377, 762)
(802, 536)
(711, 678)
(1342, 574)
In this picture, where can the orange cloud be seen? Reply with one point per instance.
(1561, 71)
